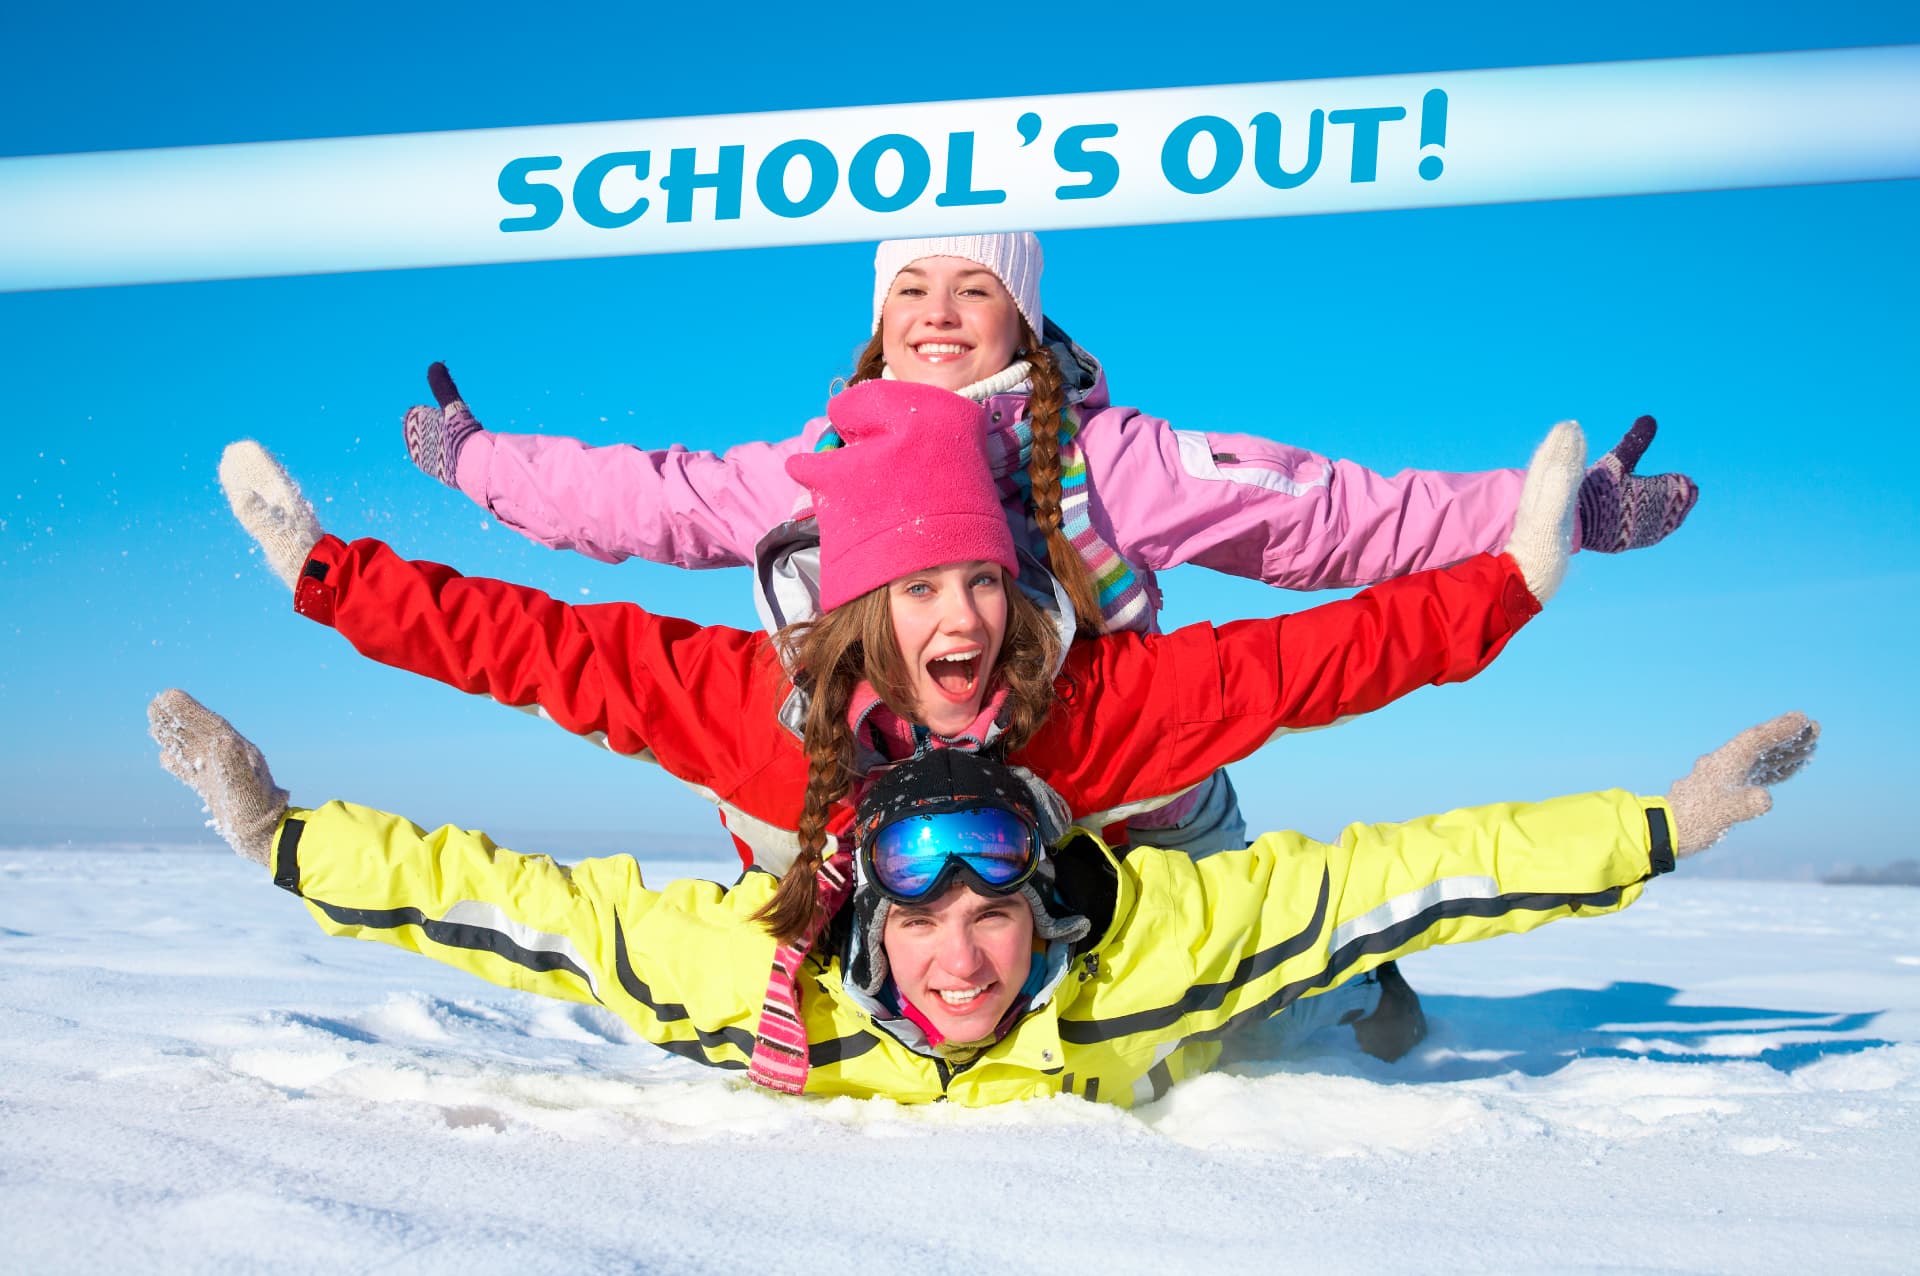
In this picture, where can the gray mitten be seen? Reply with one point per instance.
(1730, 785)
(223, 767)
(434, 436)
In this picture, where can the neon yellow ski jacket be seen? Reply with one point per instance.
(1182, 951)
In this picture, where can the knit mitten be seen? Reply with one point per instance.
(1729, 785)
(268, 504)
(435, 435)
(1543, 524)
(223, 767)
(1621, 510)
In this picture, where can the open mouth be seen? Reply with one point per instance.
(960, 998)
(955, 675)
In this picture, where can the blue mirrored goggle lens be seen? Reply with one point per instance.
(910, 857)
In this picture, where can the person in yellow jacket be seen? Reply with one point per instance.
(985, 955)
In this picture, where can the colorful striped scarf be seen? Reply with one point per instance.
(780, 1059)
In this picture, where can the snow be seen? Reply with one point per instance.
(193, 1078)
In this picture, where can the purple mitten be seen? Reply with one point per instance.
(1621, 510)
(434, 435)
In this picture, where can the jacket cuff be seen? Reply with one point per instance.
(313, 593)
(1659, 837)
(1515, 598)
(471, 465)
(286, 851)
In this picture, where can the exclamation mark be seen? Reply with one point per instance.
(1433, 132)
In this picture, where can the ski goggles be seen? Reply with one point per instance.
(917, 856)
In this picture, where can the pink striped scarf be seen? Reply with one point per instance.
(780, 1045)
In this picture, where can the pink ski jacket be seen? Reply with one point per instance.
(1159, 496)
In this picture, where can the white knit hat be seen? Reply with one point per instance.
(1015, 259)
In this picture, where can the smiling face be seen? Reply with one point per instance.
(961, 959)
(948, 322)
(949, 623)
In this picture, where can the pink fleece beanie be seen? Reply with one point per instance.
(908, 490)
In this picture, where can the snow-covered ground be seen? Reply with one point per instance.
(192, 1078)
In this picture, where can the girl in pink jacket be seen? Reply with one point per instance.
(1106, 495)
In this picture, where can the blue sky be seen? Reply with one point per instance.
(1772, 332)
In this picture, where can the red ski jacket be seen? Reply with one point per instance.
(1139, 717)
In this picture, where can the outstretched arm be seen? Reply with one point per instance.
(1293, 518)
(674, 692)
(1149, 716)
(668, 962)
(682, 966)
(1290, 917)
(666, 505)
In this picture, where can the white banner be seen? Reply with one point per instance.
(868, 173)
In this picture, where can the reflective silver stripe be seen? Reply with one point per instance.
(1197, 458)
(482, 916)
(1143, 1084)
(774, 848)
(1097, 820)
(1402, 907)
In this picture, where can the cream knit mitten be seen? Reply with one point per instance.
(1729, 785)
(268, 504)
(224, 768)
(1543, 523)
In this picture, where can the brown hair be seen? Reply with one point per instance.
(1046, 405)
(829, 657)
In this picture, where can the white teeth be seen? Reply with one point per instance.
(960, 996)
(938, 347)
(955, 657)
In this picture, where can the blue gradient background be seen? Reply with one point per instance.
(1773, 332)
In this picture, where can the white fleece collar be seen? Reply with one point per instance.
(1011, 377)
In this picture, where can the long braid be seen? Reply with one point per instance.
(1045, 405)
(829, 657)
(796, 903)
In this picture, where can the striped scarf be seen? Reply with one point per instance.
(780, 1059)
(1123, 599)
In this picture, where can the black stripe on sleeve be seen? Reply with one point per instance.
(673, 1012)
(1659, 840)
(455, 935)
(286, 854)
(1341, 963)
(1086, 1032)
(820, 1054)
(1210, 996)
